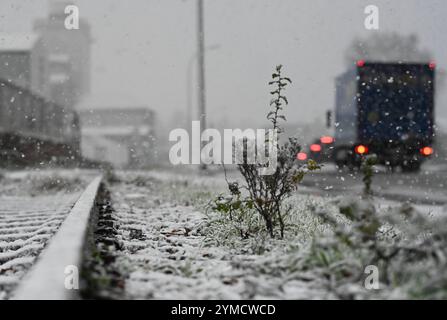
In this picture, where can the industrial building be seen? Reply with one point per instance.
(66, 73)
(122, 136)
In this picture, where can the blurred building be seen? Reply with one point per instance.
(122, 136)
(52, 62)
(65, 73)
(21, 59)
(98, 148)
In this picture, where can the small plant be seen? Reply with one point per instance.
(367, 167)
(265, 194)
(238, 210)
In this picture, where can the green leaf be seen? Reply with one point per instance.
(237, 204)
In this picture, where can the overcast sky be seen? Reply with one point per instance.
(142, 47)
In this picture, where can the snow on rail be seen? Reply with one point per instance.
(26, 225)
(46, 280)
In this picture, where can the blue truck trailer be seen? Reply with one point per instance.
(386, 109)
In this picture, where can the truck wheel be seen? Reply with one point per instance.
(411, 166)
(340, 164)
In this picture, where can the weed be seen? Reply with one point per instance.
(267, 193)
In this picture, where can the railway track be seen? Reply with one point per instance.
(39, 238)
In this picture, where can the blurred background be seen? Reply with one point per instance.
(129, 74)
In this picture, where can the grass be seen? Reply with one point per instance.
(313, 249)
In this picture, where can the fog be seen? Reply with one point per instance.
(142, 49)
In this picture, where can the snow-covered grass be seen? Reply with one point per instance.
(173, 247)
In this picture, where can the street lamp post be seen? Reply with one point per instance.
(201, 68)
(189, 92)
(189, 81)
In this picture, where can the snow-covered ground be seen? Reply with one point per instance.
(172, 248)
(173, 251)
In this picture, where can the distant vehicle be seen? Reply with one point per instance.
(320, 149)
(386, 109)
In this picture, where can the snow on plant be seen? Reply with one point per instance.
(266, 193)
(408, 247)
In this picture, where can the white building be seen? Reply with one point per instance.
(99, 148)
(123, 136)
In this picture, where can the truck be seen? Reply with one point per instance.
(386, 109)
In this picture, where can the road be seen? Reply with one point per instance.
(427, 187)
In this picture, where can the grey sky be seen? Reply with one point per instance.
(142, 48)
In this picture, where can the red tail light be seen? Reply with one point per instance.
(315, 148)
(426, 151)
(361, 149)
(301, 156)
(326, 140)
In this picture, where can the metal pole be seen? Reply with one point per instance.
(201, 68)
(189, 87)
(189, 92)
